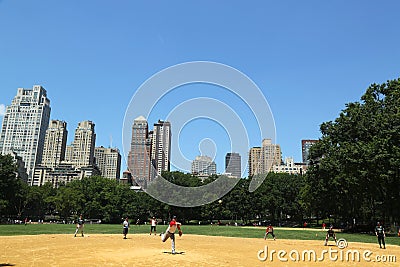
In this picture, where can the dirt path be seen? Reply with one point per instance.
(193, 250)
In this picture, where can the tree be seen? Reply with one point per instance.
(355, 165)
(9, 185)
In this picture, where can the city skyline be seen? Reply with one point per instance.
(148, 148)
(308, 58)
(85, 156)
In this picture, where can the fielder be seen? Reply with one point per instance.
(170, 232)
(269, 230)
(153, 226)
(79, 226)
(380, 233)
(330, 233)
(125, 225)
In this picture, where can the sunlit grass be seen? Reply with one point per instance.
(231, 231)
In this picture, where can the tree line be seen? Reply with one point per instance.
(104, 199)
(354, 173)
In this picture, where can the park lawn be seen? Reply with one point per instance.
(230, 231)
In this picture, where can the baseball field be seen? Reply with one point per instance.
(141, 249)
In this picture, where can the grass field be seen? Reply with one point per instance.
(227, 231)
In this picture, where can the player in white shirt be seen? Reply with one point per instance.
(125, 227)
(153, 226)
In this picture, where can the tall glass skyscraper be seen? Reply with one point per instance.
(24, 126)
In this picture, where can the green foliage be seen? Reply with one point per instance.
(356, 164)
(9, 184)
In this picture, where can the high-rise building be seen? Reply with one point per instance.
(203, 166)
(270, 155)
(160, 148)
(149, 154)
(254, 161)
(261, 159)
(61, 163)
(54, 144)
(233, 164)
(305, 149)
(108, 160)
(84, 144)
(24, 126)
(140, 151)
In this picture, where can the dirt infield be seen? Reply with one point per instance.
(193, 250)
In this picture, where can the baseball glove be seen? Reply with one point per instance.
(180, 233)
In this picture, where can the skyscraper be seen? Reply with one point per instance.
(63, 164)
(254, 161)
(305, 149)
(24, 126)
(140, 152)
(109, 162)
(262, 158)
(160, 148)
(270, 155)
(54, 144)
(233, 164)
(84, 144)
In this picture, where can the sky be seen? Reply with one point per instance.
(308, 58)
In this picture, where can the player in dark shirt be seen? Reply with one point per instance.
(380, 233)
(79, 225)
(330, 233)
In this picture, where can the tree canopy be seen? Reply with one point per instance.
(355, 166)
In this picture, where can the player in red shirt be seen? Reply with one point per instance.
(269, 230)
(170, 233)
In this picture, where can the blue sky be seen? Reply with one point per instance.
(309, 58)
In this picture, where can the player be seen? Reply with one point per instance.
(269, 230)
(380, 233)
(153, 222)
(330, 233)
(170, 232)
(125, 227)
(79, 225)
